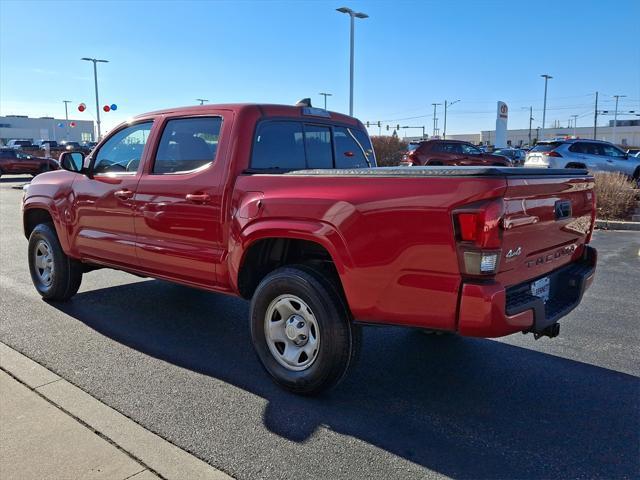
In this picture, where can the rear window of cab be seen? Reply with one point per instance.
(294, 145)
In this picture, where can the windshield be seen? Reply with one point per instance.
(545, 146)
(412, 147)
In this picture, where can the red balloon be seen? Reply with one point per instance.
(82, 107)
(106, 108)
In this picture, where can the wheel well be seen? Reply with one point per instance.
(34, 217)
(636, 174)
(575, 165)
(266, 255)
(434, 162)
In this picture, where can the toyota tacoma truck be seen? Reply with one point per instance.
(284, 206)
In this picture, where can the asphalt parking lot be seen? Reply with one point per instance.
(180, 362)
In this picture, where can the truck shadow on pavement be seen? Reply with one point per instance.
(467, 408)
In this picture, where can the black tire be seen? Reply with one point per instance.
(339, 339)
(435, 164)
(65, 275)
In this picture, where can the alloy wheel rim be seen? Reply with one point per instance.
(292, 333)
(43, 262)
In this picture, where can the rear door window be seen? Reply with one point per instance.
(279, 145)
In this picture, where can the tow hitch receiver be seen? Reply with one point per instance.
(551, 331)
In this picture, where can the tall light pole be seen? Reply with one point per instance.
(435, 120)
(615, 116)
(325, 95)
(66, 117)
(544, 108)
(353, 16)
(95, 79)
(201, 100)
(444, 129)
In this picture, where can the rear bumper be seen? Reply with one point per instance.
(490, 310)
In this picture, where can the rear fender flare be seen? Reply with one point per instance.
(318, 232)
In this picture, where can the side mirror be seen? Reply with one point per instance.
(72, 161)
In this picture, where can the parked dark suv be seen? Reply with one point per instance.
(14, 162)
(450, 152)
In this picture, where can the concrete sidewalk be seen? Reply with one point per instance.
(51, 429)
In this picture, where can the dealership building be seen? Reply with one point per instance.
(22, 127)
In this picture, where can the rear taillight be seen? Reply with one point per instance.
(479, 236)
(553, 153)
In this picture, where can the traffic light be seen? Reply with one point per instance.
(367, 124)
(379, 123)
(398, 127)
(387, 128)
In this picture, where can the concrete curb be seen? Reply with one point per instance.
(617, 225)
(164, 458)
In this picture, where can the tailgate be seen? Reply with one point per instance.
(546, 223)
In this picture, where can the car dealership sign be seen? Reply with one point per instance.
(501, 125)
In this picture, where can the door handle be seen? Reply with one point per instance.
(197, 197)
(123, 194)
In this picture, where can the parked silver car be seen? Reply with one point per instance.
(594, 155)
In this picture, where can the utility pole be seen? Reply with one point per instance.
(325, 95)
(435, 121)
(201, 100)
(95, 79)
(544, 108)
(66, 118)
(353, 16)
(444, 128)
(530, 120)
(575, 122)
(595, 120)
(615, 117)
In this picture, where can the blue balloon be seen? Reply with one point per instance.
(61, 125)
(114, 106)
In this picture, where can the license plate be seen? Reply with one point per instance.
(541, 288)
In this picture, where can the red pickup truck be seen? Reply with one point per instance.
(284, 205)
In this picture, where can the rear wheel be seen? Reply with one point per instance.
(302, 331)
(54, 274)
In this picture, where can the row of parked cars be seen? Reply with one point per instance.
(593, 155)
(51, 144)
(17, 158)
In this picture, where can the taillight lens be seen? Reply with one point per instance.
(553, 153)
(479, 236)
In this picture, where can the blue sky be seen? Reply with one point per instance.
(409, 54)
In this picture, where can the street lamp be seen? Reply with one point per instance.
(325, 95)
(66, 117)
(444, 130)
(95, 79)
(201, 100)
(615, 116)
(544, 108)
(353, 16)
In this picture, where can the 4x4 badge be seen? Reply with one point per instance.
(514, 253)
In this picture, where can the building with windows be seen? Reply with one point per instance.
(22, 127)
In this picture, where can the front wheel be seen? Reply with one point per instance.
(54, 274)
(302, 331)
